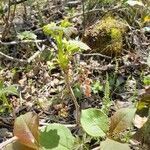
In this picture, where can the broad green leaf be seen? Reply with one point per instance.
(121, 120)
(27, 35)
(94, 122)
(56, 137)
(26, 129)
(109, 144)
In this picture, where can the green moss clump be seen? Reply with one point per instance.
(106, 36)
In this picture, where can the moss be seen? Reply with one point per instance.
(106, 36)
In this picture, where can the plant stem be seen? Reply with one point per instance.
(77, 107)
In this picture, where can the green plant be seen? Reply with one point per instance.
(96, 87)
(146, 80)
(66, 49)
(27, 135)
(4, 92)
(106, 99)
(26, 35)
(97, 124)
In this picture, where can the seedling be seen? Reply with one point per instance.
(66, 49)
(4, 91)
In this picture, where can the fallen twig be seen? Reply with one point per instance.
(66, 125)
(13, 59)
(29, 60)
(96, 54)
(22, 42)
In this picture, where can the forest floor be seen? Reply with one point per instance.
(31, 66)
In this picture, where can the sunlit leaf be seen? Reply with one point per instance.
(94, 122)
(57, 137)
(135, 3)
(26, 129)
(79, 44)
(122, 120)
(27, 35)
(65, 23)
(109, 144)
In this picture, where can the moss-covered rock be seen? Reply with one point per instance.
(106, 36)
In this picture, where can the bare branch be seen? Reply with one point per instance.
(22, 42)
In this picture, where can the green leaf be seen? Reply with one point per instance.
(121, 120)
(109, 144)
(65, 23)
(52, 29)
(94, 122)
(146, 80)
(96, 87)
(56, 137)
(8, 90)
(79, 44)
(27, 35)
(26, 129)
(63, 60)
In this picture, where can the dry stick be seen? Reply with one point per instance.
(29, 60)
(83, 10)
(22, 42)
(13, 59)
(9, 141)
(77, 107)
(96, 54)
(8, 24)
(66, 125)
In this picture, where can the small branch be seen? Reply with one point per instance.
(96, 148)
(96, 54)
(40, 50)
(66, 125)
(77, 107)
(9, 23)
(13, 59)
(29, 60)
(9, 141)
(22, 42)
(94, 10)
